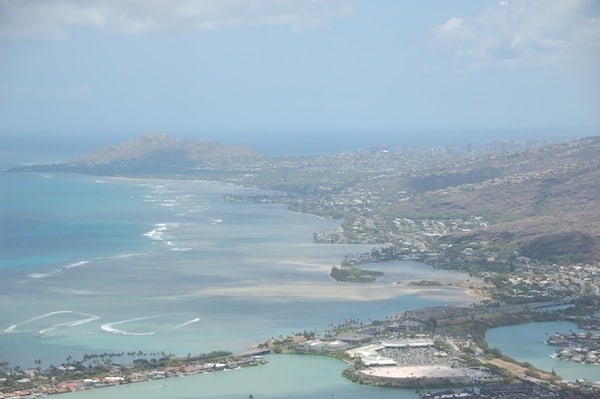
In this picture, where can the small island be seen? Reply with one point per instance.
(426, 283)
(520, 221)
(353, 274)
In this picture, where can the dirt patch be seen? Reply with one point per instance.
(520, 371)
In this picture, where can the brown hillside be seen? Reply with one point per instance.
(160, 147)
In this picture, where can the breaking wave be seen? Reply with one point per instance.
(177, 249)
(76, 264)
(187, 323)
(39, 275)
(157, 232)
(110, 327)
(58, 270)
(87, 317)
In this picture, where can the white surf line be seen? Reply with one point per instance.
(109, 327)
(121, 256)
(59, 270)
(76, 264)
(127, 255)
(39, 275)
(177, 249)
(157, 232)
(87, 318)
(11, 328)
(53, 272)
(70, 323)
(187, 323)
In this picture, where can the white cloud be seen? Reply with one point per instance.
(523, 31)
(454, 24)
(57, 18)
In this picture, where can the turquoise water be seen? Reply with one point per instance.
(526, 343)
(110, 265)
(296, 377)
(92, 265)
(47, 221)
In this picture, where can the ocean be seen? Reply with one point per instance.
(94, 265)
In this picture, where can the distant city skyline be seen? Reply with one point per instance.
(305, 70)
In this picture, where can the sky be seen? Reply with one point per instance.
(90, 71)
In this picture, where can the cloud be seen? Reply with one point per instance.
(454, 24)
(58, 18)
(523, 31)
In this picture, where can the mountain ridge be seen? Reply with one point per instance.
(162, 147)
(542, 200)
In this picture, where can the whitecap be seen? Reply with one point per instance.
(10, 328)
(176, 249)
(87, 317)
(157, 233)
(127, 255)
(38, 275)
(76, 264)
(59, 270)
(44, 275)
(187, 323)
(110, 327)
(150, 198)
(153, 234)
(70, 323)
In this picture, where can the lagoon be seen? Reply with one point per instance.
(286, 376)
(526, 343)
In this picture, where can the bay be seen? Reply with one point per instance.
(94, 265)
(286, 376)
(526, 343)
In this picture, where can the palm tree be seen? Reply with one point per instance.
(4, 367)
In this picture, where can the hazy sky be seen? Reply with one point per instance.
(212, 67)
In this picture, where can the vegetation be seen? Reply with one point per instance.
(352, 274)
(524, 199)
(426, 283)
(501, 217)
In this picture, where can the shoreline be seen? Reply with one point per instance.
(426, 293)
(408, 377)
